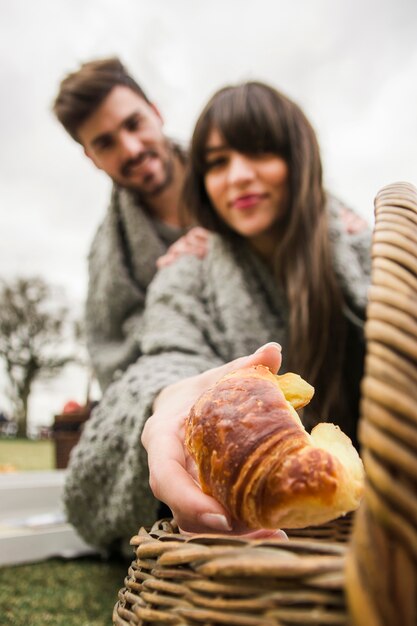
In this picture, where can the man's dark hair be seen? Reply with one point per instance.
(82, 92)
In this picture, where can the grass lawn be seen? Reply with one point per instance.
(25, 454)
(81, 592)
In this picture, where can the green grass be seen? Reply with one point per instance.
(81, 592)
(24, 454)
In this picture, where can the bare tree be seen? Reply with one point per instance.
(36, 339)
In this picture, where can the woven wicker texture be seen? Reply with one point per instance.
(381, 575)
(213, 579)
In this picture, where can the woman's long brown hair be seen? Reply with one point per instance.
(254, 118)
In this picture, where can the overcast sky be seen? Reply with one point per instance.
(352, 66)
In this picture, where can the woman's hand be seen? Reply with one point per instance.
(172, 472)
(194, 242)
(352, 222)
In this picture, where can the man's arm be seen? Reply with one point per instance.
(109, 356)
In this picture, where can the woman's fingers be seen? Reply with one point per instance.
(353, 223)
(165, 260)
(198, 235)
(268, 355)
(170, 482)
(179, 397)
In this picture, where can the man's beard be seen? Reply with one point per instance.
(168, 173)
(168, 169)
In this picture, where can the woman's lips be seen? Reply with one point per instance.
(247, 201)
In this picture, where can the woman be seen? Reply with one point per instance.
(255, 177)
(281, 268)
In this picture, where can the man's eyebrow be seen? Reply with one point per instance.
(132, 115)
(97, 141)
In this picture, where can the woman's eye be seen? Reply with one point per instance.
(215, 163)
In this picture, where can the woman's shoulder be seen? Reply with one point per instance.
(347, 218)
(218, 249)
(192, 275)
(351, 253)
(186, 273)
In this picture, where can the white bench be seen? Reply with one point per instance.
(32, 522)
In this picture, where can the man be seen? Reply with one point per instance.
(104, 109)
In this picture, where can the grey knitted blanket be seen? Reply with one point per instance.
(199, 314)
(121, 265)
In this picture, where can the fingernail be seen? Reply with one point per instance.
(271, 343)
(216, 521)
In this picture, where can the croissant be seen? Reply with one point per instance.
(255, 457)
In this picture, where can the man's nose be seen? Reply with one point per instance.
(130, 146)
(241, 170)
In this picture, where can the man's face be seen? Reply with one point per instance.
(124, 138)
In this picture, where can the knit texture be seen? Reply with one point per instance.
(199, 314)
(122, 263)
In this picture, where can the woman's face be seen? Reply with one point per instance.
(249, 192)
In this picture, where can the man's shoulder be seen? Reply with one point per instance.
(111, 220)
(100, 235)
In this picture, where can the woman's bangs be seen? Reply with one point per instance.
(249, 123)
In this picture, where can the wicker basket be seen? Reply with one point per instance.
(326, 575)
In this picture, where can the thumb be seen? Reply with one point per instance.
(268, 355)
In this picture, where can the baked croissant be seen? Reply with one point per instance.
(255, 457)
